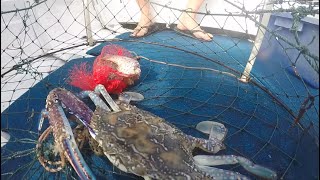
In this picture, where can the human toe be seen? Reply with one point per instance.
(139, 31)
(203, 35)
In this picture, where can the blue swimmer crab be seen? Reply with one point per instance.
(137, 141)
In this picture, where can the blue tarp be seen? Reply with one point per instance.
(258, 127)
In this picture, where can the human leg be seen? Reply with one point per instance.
(187, 21)
(145, 19)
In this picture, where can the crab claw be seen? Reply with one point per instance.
(62, 132)
(76, 160)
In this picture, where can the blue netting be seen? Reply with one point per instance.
(258, 126)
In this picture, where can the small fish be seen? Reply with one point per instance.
(4, 138)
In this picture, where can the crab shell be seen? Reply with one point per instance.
(141, 143)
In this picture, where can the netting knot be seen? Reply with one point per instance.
(303, 49)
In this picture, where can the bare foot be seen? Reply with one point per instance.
(142, 27)
(187, 22)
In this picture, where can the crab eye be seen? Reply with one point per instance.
(55, 98)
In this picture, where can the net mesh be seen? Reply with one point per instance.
(272, 119)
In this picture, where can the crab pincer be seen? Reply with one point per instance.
(62, 132)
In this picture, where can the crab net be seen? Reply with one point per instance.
(258, 77)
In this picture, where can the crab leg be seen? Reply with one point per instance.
(211, 145)
(127, 97)
(5, 137)
(217, 133)
(44, 162)
(95, 99)
(62, 132)
(207, 160)
(101, 89)
(94, 96)
(44, 114)
(221, 174)
(214, 129)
